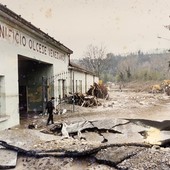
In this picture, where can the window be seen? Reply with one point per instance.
(80, 86)
(62, 87)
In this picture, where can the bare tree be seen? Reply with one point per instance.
(94, 59)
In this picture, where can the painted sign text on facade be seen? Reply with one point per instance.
(16, 37)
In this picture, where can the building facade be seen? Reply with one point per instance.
(80, 78)
(33, 68)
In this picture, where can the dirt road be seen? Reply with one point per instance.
(125, 104)
(123, 113)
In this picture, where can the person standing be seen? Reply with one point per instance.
(50, 107)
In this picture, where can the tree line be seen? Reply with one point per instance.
(134, 66)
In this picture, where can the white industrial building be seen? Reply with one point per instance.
(81, 78)
(33, 68)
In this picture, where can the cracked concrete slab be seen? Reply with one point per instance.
(129, 134)
(156, 136)
(115, 155)
(122, 138)
(162, 125)
(151, 158)
(109, 123)
(123, 131)
(76, 127)
(8, 158)
(154, 132)
(106, 124)
(130, 128)
(26, 138)
(92, 136)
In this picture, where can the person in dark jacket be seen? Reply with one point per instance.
(50, 107)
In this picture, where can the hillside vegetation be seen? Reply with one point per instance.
(133, 67)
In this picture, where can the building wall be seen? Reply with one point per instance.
(82, 81)
(96, 79)
(14, 42)
(19, 45)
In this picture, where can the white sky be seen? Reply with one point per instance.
(121, 26)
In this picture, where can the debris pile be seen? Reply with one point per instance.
(161, 88)
(111, 143)
(81, 130)
(98, 90)
(167, 90)
(156, 88)
(89, 99)
(83, 100)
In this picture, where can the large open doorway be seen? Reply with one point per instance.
(23, 98)
(62, 88)
(31, 75)
(2, 95)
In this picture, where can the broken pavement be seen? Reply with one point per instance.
(113, 152)
(117, 135)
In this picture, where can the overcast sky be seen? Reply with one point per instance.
(122, 26)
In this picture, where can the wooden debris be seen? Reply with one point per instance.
(167, 90)
(98, 90)
(83, 100)
(90, 98)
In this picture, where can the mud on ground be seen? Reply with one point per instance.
(144, 110)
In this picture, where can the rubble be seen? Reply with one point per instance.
(167, 90)
(151, 158)
(83, 100)
(101, 153)
(114, 152)
(105, 138)
(113, 156)
(89, 99)
(163, 87)
(8, 158)
(98, 90)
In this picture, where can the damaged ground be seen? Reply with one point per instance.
(131, 130)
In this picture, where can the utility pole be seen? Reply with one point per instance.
(73, 94)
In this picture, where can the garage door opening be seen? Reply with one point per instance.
(31, 75)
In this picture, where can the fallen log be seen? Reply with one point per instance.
(17, 149)
(66, 153)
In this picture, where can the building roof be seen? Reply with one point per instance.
(14, 18)
(75, 67)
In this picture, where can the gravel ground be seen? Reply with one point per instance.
(130, 104)
(152, 159)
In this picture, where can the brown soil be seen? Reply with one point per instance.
(134, 102)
